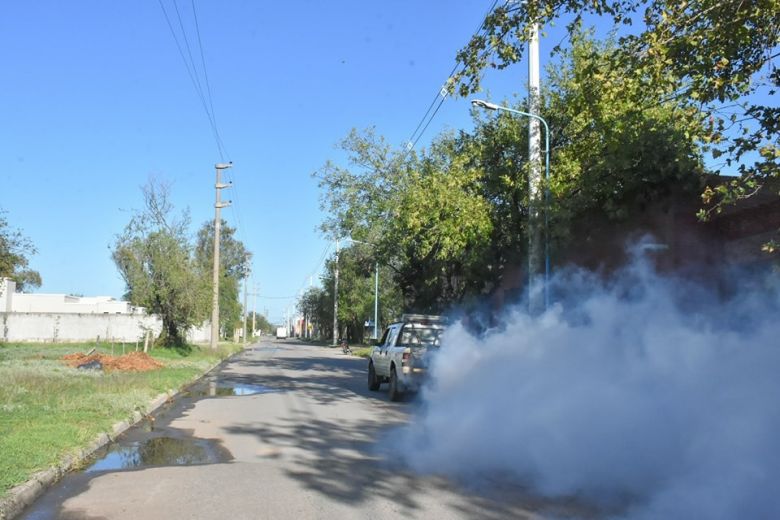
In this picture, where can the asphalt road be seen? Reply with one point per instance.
(308, 445)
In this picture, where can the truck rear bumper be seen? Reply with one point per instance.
(411, 378)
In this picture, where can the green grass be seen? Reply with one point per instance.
(364, 352)
(49, 410)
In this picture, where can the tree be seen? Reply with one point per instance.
(451, 222)
(261, 323)
(15, 250)
(317, 309)
(619, 142)
(421, 214)
(717, 53)
(234, 260)
(155, 258)
(356, 295)
(618, 147)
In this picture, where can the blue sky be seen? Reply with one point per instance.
(96, 99)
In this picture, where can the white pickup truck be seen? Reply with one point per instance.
(401, 357)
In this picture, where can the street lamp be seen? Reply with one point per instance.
(492, 106)
(376, 287)
(336, 297)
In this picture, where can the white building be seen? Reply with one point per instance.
(12, 301)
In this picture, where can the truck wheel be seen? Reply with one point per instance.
(395, 391)
(373, 381)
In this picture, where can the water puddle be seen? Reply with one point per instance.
(159, 451)
(221, 390)
(250, 389)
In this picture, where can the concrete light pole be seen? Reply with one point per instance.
(254, 309)
(218, 205)
(243, 325)
(535, 302)
(376, 285)
(336, 298)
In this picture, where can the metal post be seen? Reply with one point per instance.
(491, 106)
(336, 298)
(376, 299)
(218, 205)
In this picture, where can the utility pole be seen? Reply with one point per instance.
(254, 309)
(535, 297)
(243, 338)
(336, 298)
(218, 205)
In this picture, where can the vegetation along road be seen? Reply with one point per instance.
(284, 430)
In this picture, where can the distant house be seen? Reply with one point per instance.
(12, 301)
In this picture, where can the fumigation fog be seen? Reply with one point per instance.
(654, 396)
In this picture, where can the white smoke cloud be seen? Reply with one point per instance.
(650, 393)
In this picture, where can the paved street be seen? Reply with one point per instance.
(305, 446)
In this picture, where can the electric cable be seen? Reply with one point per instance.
(206, 98)
(441, 95)
(192, 75)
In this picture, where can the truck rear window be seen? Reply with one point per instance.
(414, 335)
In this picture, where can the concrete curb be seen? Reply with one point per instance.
(23, 495)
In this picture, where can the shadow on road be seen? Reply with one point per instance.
(340, 459)
(327, 380)
(355, 460)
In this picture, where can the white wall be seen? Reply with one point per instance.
(70, 327)
(7, 288)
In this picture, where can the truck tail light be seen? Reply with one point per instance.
(406, 358)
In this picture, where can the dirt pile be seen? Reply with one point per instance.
(134, 361)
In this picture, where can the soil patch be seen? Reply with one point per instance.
(133, 361)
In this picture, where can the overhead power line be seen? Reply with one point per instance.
(192, 72)
(204, 95)
(203, 62)
(235, 208)
(442, 94)
(317, 267)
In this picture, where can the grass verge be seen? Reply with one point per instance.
(49, 410)
(364, 352)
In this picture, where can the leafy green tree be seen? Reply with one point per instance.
(156, 261)
(421, 214)
(719, 54)
(619, 144)
(317, 309)
(234, 260)
(356, 295)
(451, 222)
(617, 148)
(261, 323)
(15, 250)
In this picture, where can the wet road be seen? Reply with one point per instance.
(284, 430)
